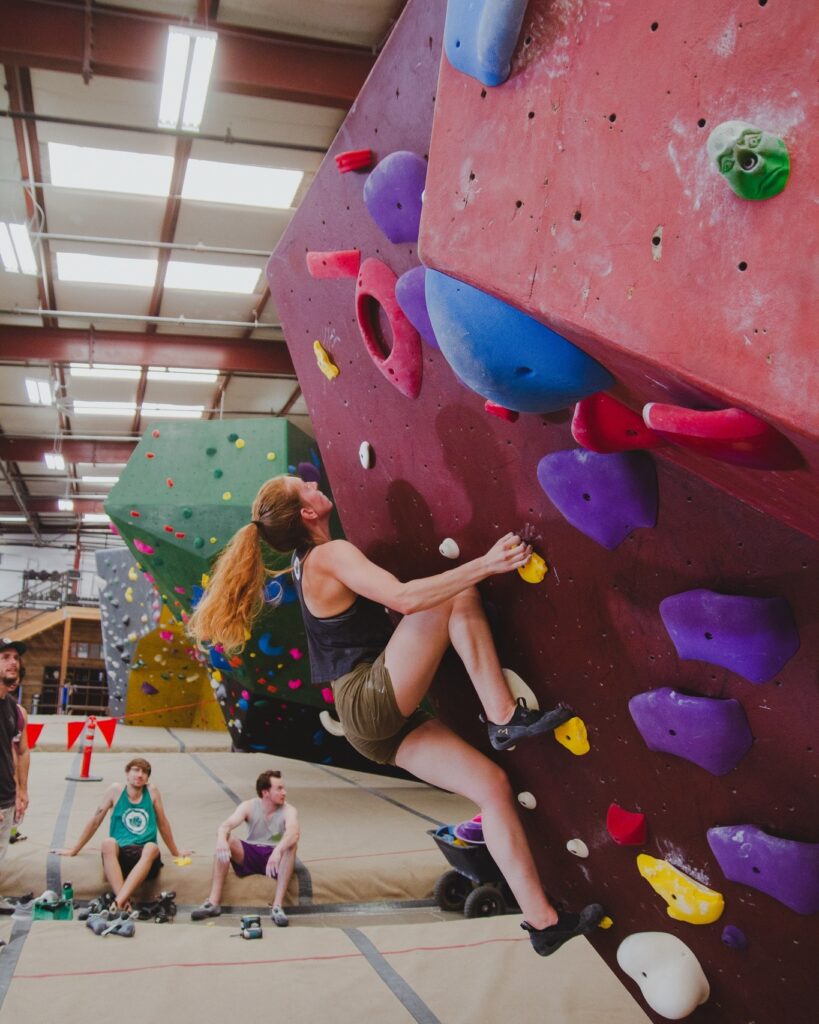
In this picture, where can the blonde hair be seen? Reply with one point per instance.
(235, 593)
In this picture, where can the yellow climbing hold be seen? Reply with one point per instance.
(182, 862)
(132, 637)
(271, 456)
(534, 570)
(227, 496)
(213, 540)
(205, 579)
(216, 675)
(605, 922)
(572, 735)
(687, 900)
(239, 442)
(133, 574)
(129, 594)
(325, 362)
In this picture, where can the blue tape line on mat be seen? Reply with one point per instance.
(407, 996)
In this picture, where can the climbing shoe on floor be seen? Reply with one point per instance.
(278, 917)
(207, 909)
(546, 941)
(526, 722)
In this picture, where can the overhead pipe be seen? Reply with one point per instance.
(51, 236)
(179, 321)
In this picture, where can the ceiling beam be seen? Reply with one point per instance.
(63, 345)
(9, 506)
(31, 449)
(131, 44)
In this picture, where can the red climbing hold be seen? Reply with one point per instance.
(501, 411)
(403, 367)
(168, 529)
(134, 513)
(602, 424)
(333, 265)
(731, 435)
(149, 455)
(354, 160)
(628, 828)
(169, 482)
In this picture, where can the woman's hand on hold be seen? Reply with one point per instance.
(506, 554)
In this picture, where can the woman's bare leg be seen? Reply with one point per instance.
(435, 754)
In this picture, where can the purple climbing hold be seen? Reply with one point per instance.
(752, 636)
(603, 496)
(410, 293)
(785, 869)
(308, 472)
(712, 733)
(392, 194)
(734, 937)
(148, 689)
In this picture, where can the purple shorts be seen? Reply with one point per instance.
(255, 859)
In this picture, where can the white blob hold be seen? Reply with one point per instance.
(518, 688)
(669, 975)
(577, 847)
(332, 725)
(448, 548)
(365, 454)
(527, 800)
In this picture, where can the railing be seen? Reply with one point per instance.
(42, 591)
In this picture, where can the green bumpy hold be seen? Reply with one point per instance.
(755, 163)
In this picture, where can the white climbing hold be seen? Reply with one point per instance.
(669, 975)
(527, 800)
(577, 847)
(332, 725)
(449, 549)
(365, 454)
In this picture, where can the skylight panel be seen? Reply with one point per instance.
(95, 517)
(12, 519)
(186, 77)
(92, 408)
(208, 277)
(54, 460)
(38, 391)
(109, 170)
(65, 504)
(240, 184)
(182, 375)
(15, 249)
(84, 269)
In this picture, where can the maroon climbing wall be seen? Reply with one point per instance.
(591, 632)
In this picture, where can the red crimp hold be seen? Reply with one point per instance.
(501, 411)
(354, 160)
(602, 424)
(341, 263)
(628, 828)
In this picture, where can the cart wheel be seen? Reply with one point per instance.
(451, 890)
(485, 901)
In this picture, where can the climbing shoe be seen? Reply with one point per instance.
(526, 722)
(207, 909)
(546, 941)
(278, 917)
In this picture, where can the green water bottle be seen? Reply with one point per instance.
(68, 902)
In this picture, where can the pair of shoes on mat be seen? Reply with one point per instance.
(278, 917)
(546, 941)
(526, 722)
(7, 906)
(207, 909)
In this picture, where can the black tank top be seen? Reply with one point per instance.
(340, 642)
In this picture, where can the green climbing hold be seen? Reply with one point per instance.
(755, 163)
(199, 542)
(233, 437)
(186, 513)
(210, 451)
(217, 473)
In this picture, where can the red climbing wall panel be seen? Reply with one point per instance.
(591, 632)
(549, 190)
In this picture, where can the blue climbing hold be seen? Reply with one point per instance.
(505, 355)
(266, 645)
(480, 37)
(218, 660)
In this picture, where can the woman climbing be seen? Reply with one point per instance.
(379, 673)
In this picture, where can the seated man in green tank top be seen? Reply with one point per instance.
(130, 855)
(268, 849)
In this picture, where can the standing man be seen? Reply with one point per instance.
(14, 757)
(269, 849)
(130, 854)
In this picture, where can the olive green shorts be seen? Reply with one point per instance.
(366, 707)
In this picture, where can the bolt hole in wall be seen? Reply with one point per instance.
(742, 265)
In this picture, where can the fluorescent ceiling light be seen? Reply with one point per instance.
(176, 376)
(15, 249)
(95, 517)
(240, 184)
(39, 391)
(99, 479)
(85, 269)
(109, 170)
(207, 277)
(185, 78)
(12, 519)
(54, 460)
(65, 504)
(176, 412)
(89, 408)
(105, 371)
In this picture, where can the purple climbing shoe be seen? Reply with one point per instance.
(526, 722)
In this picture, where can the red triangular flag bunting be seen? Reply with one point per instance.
(73, 729)
(107, 727)
(33, 730)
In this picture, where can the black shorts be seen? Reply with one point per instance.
(128, 857)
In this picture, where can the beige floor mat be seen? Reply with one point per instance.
(475, 972)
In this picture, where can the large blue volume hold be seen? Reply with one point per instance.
(503, 354)
(480, 37)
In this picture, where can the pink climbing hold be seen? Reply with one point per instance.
(403, 367)
(730, 435)
(294, 684)
(333, 265)
(166, 635)
(295, 653)
(327, 694)
(179, 590)
(353, 160)
(501, 411)
(628, 828)
(140, 545)
(602, 424)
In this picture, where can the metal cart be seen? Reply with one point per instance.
(475, 885)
